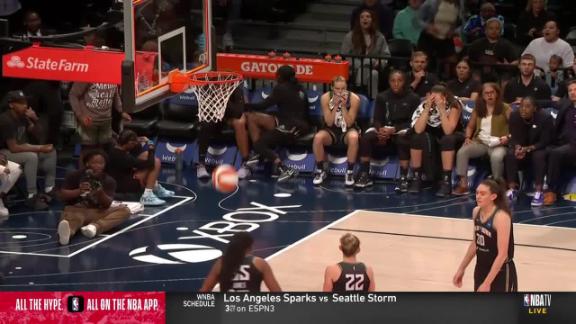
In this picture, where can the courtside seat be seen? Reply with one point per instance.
(179, 118)
(144, 122)
(365, 113)
(259, 94)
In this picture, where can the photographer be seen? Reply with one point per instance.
(88, 194)
(136, 171)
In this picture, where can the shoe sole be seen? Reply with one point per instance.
(64, 232)
(281, 179)
(87, 233)
(153, 205)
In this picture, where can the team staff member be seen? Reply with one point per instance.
(349, 275)
(492, 243)
(238, 270)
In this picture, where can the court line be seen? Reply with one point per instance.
(229, 196)
(443, 238)
(313, 234)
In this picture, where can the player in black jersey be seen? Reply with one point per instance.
(349, 275)
(493, 242)
(238, 270)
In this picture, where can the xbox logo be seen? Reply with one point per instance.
(175, 253)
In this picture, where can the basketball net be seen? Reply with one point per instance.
(213, 90)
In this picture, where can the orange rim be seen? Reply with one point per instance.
(203, 78)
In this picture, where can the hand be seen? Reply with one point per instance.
(46, 148)
(31, 114)
(484, 287)
(504, 140)
(85, 187)
(457, 280)
(126, 117)
(419, 75)
(467, 141)
(86, 121)
(6, 170)
(531, 32)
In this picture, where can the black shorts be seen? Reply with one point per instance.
(233, 111)
(505, 281)
(337, 135)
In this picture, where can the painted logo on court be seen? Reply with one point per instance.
(175, 254)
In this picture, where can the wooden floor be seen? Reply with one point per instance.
(421, 253)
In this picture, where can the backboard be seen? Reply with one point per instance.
(163, 35)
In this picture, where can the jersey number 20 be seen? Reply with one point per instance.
(354, 282)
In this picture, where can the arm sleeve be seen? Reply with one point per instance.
(346, 47)
(412, 105)
(546, 134)
(398, 27)
(75, 96)
(516, 135)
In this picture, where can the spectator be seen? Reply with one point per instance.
(9, 174)
(240, 271)
(366, 41)
(491, 51)
(390, 129)
(339, 109)
(92, 104)
(407, 24)
(234, 116)
(555, 76)
(464, 87)
(436, 122)
(527, 84)
(291, 120)
(136, 171)
(18, 127)
(420, 80)
(384, 17)
(336, 276)
(486, 134)
(564, 151)
(33, 26)
(476, 25)
(532, 20)
(550, 44)
(531, 132)
(88, 195)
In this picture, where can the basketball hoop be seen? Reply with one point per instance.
(213, 90)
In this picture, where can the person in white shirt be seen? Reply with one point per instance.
(9, 174)
(550, 44)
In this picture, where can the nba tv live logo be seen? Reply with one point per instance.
(537, 303)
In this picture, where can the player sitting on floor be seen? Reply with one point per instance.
(234, 117)
(136, 171)
(291, 120)
(339, 108)
(88, 194)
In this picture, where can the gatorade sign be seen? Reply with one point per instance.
(64, 64)
(265, 67)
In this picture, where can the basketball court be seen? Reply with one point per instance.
(413, 242)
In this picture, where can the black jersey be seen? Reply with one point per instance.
(487, 242)
(248, 278)
(353, 277)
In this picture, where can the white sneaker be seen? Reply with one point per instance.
(201, 172)
(349, 178)
(244, 172)
(3, 210)
(150, 199)
(319, 177)
(89, 230)
(64, 232)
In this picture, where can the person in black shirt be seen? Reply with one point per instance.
(530, 133)
(532, 20)
(238, 270)
(88, 195)
(464, 87)
(349, 275)
(136, 172)
(390, 129)
(289, 122)
(420, 80)
(493, 242)
(527, 84)
(564, 150)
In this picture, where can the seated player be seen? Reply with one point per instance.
(268, 131)
(9, 174)
(238, 270)
(349, 275)
(390, 128)
(136, 171)
(339, 109)
(88, 195)
(234, 116)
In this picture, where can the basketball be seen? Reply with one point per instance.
(225, 178)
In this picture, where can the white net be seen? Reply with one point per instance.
(213, 90)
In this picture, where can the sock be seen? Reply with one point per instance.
(446, 175)
(48, 189)
(319, 165)
(350, 166)
(418, 173)
(365, 166)
(148, 191)
(403, 172)
(30, 195)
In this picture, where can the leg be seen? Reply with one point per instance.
(539, 168)
(448, 146)
(29, 161)
(259, 122)
(321, 139)
(241, 135)
(71, 220)
(497, 155)
(418, 143)
(403, 148)
(48, 165)
(352, 141)
(111, 218)
(8, 180)
(465, 153)
(511, 169)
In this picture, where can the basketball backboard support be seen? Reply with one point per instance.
(160, 36)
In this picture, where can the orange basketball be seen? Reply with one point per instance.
(225, 178)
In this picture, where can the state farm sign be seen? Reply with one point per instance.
(265, 67)
(47, 63)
